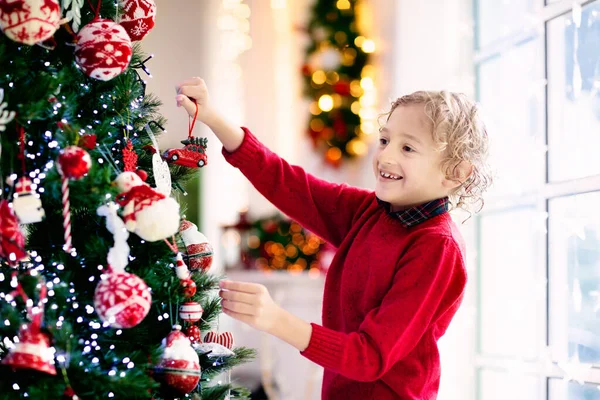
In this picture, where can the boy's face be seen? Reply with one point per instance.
(408, 153)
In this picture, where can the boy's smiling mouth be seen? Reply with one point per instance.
(387, 175)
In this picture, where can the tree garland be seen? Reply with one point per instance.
(338, 80)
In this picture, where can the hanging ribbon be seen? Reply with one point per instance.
(191, 122)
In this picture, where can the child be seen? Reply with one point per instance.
(399, 275)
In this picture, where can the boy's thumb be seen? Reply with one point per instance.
(185, 101)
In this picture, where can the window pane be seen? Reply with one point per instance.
(563, 390)
(574, 251)
(574, 94)
(497, 385)
(497, 19)
(512, 92)
(512, 262)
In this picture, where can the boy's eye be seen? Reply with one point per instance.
(383, 141)
(408, 149)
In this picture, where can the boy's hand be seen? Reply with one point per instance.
(191, 92)
(250, 303)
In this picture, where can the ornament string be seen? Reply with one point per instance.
(192, 122)
(21, 155)
(96, 10)
(37, 317)
(172, 246)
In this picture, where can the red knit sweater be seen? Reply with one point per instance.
(390, 293)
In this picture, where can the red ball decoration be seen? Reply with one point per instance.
(12, 240)
(199, 250)
(122, 299)
(194, 334)
(103, 49)
(29, 21)
(138, 17)
(32, 351)
(188, 287)
(179, 367)
(73, 162)
(190, 311)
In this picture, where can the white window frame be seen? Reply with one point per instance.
(546, 369)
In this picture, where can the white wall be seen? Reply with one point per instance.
(433, 51)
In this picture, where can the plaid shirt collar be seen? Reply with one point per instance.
(418, 214)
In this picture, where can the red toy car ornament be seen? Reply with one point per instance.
(191, 155)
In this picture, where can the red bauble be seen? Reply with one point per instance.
(138, 17)
(103, 49)
(73, 162)
(32, 351)
(199, 250)
(29, 21)
(193, 333)
(179, 367)
(188, 287)
(12, 241)
(342, 88)
(190, 311)
(122, 299)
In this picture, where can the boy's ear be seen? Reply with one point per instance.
(458, 175)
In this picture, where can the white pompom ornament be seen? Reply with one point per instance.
(146, 212)
(103, 49)
(138, 17)
(122, 299)
(29, 21)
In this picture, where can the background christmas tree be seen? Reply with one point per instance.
(49, 104)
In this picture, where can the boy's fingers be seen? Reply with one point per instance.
(241, 286)
(195, 81)
(189, 105)
(240, 308)
(237, 296)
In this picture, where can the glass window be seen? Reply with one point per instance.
(499, 385)
(511, 92)
(574, 250)
(497, 19)
(574, 93)
(563, 390)
(512, 287)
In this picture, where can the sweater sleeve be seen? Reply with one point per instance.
(325, 208)
(429, 282)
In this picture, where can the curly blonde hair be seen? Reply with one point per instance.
(460, 134)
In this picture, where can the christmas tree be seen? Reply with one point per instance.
(105, 290)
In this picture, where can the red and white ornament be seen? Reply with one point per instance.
(146, 212)
(188, 286)
(224, 339)
(73, 163)
(122, 299)
(138, 17)
(190, 311)
(194, 334)
(12, 241)
(26, 202)
(179, 367)
(32, 351)
(103, 49)
(199, 250)
(217, 344)
(29, 21)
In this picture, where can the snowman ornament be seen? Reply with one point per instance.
(146, 212)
